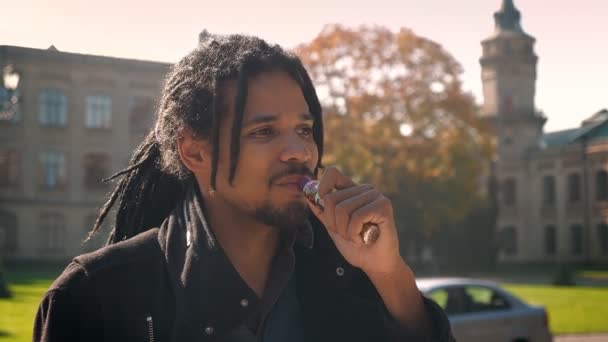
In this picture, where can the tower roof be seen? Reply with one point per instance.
(508, 18)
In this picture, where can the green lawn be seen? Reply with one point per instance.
(571, 309)
(593, 274)
(27, 284)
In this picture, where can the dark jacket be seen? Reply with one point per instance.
(157, 287)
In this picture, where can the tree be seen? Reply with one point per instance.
(396, 116)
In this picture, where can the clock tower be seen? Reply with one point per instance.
(508, 68)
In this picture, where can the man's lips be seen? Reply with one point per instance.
(294, 179)
(292, 182)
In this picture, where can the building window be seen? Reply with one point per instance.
(96, 168)
(509, 240)
(550, 240)
(576, 239)
(141, 113)
(8, 233)
(52, 233)
(603, 238)
(549, 190)
(53, 170)
(53, 108)
(509, 192)
(9, 168)
(98, 111)
(574, 187)
(601, 185)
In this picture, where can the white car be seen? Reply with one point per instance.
(481, 311)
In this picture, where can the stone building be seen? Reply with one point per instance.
(553, 187)
(76, 120)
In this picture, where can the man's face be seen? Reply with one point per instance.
(276, 148)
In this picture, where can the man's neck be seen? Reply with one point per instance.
(249, 245)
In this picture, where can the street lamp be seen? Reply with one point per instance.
(9, 94)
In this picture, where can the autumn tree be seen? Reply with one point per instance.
(396, 116)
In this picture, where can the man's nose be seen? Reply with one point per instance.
(295, 149)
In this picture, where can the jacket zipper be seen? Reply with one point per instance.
(150, 324)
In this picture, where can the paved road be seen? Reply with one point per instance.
(582, 338)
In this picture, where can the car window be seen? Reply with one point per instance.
(481, 298)
(440, 297)
(456, 300)
(451, 299)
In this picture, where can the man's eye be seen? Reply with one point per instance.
(263, 132)
(306, 131)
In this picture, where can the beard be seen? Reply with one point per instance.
(290, 217)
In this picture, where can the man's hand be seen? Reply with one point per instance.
(347, 207)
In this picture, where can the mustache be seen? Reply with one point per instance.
(292, 169)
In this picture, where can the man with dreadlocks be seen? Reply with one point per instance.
(213, 239)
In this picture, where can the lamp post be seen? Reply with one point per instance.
(9, 107)
(9, 93)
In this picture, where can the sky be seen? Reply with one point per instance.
(572, 42)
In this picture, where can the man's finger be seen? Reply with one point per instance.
(344, 210)
(333, 179)
(375, 212)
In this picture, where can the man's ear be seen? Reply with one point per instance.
(195, 153)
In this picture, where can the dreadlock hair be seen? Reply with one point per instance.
(193, 99)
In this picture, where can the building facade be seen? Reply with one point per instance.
(553, 187)
(75, 120)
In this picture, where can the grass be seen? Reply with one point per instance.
(27, 284)
(571, 309)
(592, 274)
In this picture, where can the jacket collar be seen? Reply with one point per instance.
(211, 297)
